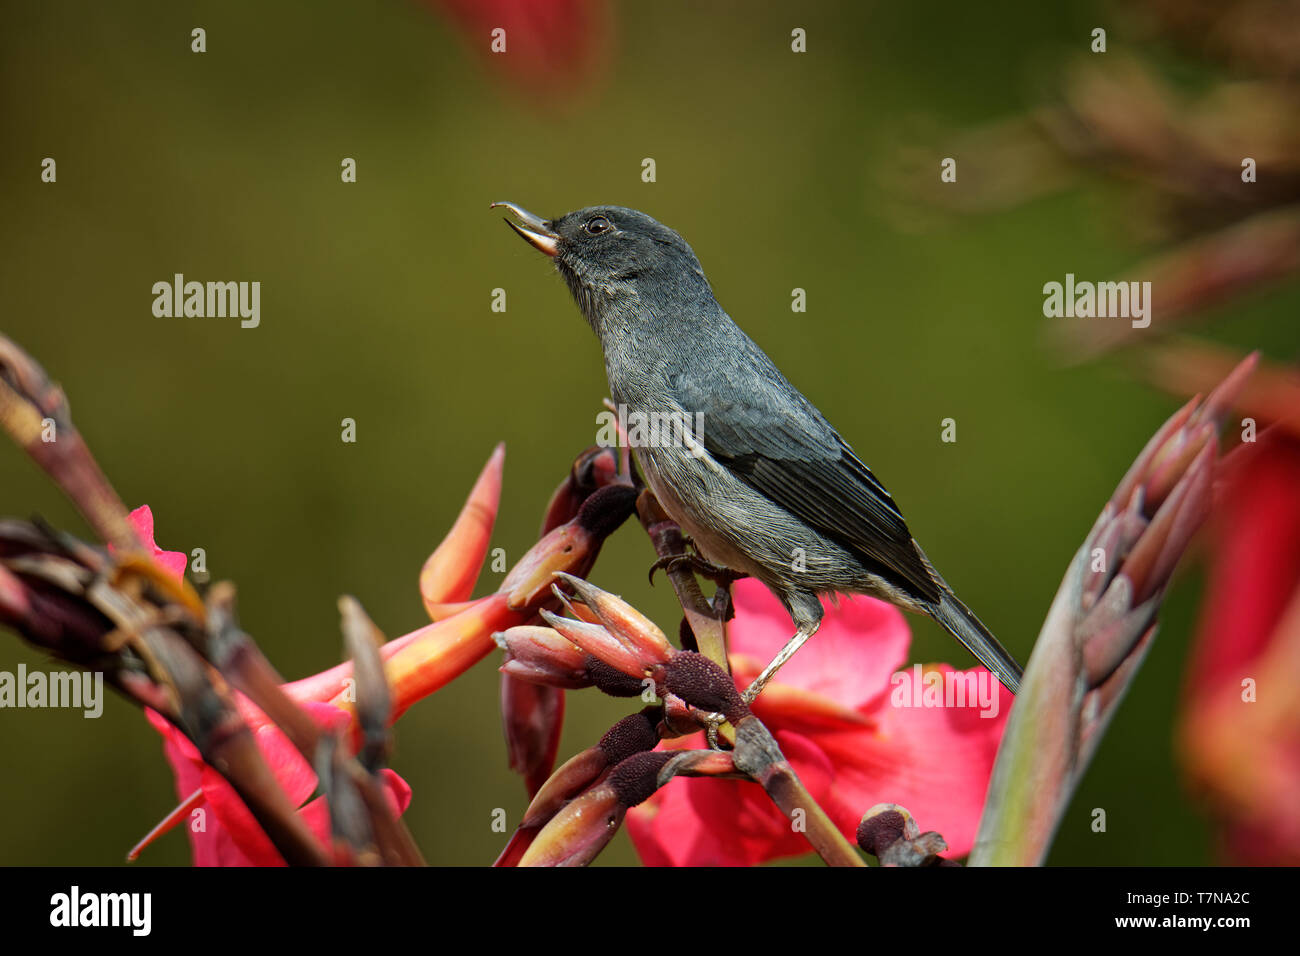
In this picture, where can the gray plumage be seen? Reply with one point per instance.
(770, 489)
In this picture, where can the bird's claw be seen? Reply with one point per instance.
(705, 569)
(712, 721)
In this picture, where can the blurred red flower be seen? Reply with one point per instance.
(550, 46)
(1240, 732)
(851, 728)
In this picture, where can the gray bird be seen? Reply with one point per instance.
(760, 481)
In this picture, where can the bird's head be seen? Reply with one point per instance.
(617, 261)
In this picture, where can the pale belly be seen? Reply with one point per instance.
(714, 547)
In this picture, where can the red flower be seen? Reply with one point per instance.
(856, 732)
(1240, 732)
(550, 46)
(223, 832)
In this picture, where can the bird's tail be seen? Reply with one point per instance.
(962, 623)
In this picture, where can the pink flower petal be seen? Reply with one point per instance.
(935, 761)
(173, 562)
(707, 822)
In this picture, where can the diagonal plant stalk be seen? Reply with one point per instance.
(707, 619)
(1098, 630)
(758, 755)
(34, 411)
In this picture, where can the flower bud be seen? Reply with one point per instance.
(542, 656)
(889, 833)
(532, 717)
(599, 643)
(585, 825)
(630, 627)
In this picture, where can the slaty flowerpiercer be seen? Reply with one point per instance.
(763, 485)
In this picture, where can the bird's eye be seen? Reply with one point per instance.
(596, 225)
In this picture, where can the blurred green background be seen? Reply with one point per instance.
(376, 306)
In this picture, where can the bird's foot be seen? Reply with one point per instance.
(705, 569)
(711, 722)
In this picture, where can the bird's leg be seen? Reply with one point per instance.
(805, 631)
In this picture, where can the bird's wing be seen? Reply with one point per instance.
(775, 440)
